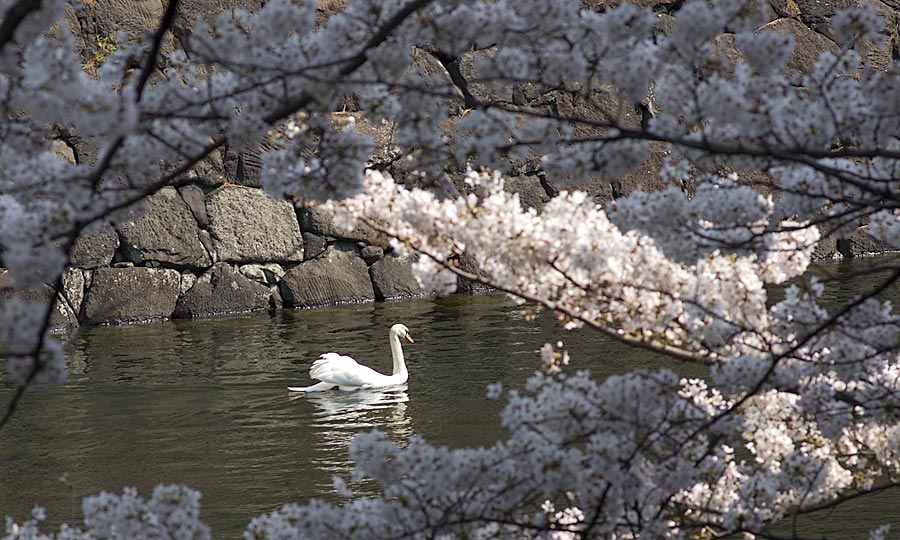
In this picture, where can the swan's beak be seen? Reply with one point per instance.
(409, 338)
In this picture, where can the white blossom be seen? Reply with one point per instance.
(801, 403)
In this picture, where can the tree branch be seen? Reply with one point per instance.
(152, 58)
(14, 17)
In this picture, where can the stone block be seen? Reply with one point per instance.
(94, 249)
(315, 220)
(39, 297)
(313, 245)
(340, 276)
(136, 294)
(167, 234)
(222, 290)
(267, 274)
(531, 193)
(392, 278)
(860, 244)
(809, 44)
(370, 254)
(73, 288)
(246, 226)
(195, 199)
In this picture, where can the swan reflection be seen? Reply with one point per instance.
(357, 406)
(341, 415)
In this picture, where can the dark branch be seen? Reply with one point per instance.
(153, 55)
(14, 17)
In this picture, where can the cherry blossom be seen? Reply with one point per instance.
(801, 406)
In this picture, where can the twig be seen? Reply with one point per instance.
(14, 17)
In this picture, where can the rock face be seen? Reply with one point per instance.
(191, 12)
(339, 277)
(817, 14)
(531, 193)
(247, 225)
(392, 278)
(467, 263)
(62, 315)
(222, 290)
(73, 288)
(95, 249)
(118, 295)
(826, 249)
(168, 234)
(809, 44)
(193, 196)
(313, 245)
(101, 19)
(860, 244)
(315, 220)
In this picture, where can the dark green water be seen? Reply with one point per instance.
(204, 403)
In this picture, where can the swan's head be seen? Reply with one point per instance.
(401, 330)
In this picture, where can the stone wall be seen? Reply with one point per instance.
(200, 251)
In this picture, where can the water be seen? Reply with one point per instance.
(204, 403)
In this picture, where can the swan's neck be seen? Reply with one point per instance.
(397, 354)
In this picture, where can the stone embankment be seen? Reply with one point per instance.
(201, 251)
(231, 249)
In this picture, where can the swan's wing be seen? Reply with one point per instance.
(320, 387)
(336, 369)
(330, 363)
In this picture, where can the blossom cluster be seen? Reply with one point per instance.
(801, 404)
(802, 386)
(171, 512)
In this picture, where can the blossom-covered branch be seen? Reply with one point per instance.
(757, 160)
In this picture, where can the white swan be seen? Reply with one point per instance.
(344, 372)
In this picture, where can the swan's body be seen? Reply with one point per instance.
(335, 370)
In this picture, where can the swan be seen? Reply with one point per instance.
(344, 372)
